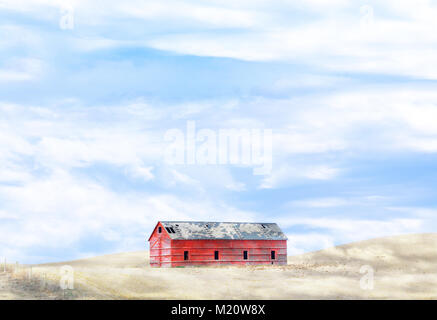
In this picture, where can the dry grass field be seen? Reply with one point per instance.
(405, 267)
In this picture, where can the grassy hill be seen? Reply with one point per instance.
(405, 267)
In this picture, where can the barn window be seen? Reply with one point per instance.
(245, 255)
(159, 229)
(273, 255)
(185, 255)
(216, 255)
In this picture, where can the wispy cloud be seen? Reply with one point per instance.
(21, 70)
(324, 232)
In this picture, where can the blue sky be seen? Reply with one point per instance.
(348, 89)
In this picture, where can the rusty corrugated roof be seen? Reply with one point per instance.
(196, 230)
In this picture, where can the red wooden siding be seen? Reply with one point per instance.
(201, 252)
(165, 252)
(160, 248)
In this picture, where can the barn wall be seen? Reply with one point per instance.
(160, 248)
(201, 252)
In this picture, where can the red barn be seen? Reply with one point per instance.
(184, 243)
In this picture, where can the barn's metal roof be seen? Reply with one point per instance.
(196, 230)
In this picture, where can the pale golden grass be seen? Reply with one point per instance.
(405, 268)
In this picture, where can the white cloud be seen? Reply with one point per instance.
(344, 230)
(237, 186)
(333, 202)
(301, 243)
(418, 212)
(60, 210)
(190, 12)
(56, 138)
(338, 42)
(47, 205)
(10, 172)
(395, 41)
(321, 173)
(21, 70)
(388, 118)
(287, 175)
(321, 203)
(8, 75)
(144, 173)
(185, 179)
(382, 120)
(303, 141)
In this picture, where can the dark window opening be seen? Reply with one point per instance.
(170, 229)
(159, 229)
(273, 255)
(216, 255)
(185, 255)
(263, 226)
(245, 255)
(207, 225)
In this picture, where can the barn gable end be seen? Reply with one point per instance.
(160, 247)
